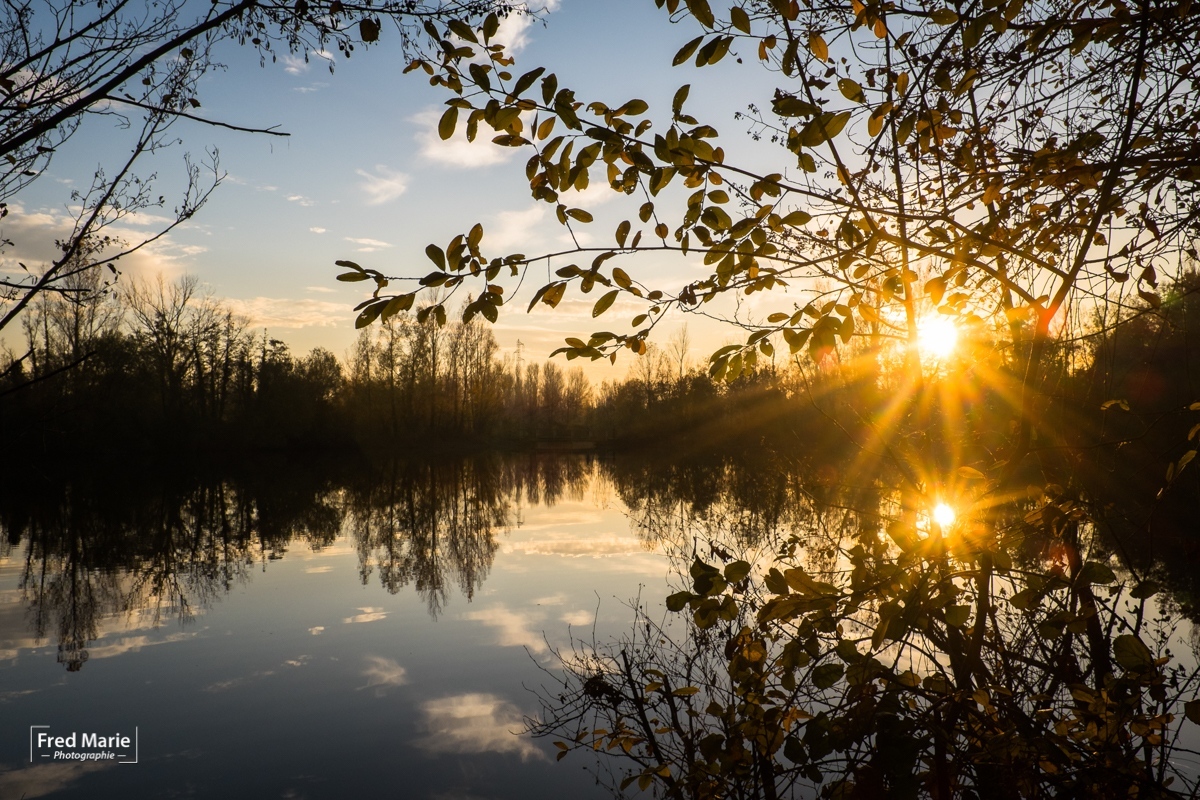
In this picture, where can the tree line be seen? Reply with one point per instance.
(167, 365)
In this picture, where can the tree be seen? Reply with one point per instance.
(1001, 165)
(1005, 167)
(65, 63)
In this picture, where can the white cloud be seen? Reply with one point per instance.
(300, 199)
(384, 185)
(457, 152)
(294, 65)
(514, 29)
(475, 723)
(317, 230)
(382, 673)
(282, 312)
(317, 630)
(516, 230)
(368, 245)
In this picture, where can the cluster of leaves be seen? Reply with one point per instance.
(990, 161)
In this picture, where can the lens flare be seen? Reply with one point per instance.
(943, 515)
(937, 336)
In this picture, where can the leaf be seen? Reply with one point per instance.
(351, 277)
(1145, 590)
(702, 12)
(1191, 710)
(1095, 572)
(736, 571)
(796, 219)
(740, 19)
(935, 288)
(851, 90)
(448, 122)
(604, 302)
(686, 51)
(685, 691)
(526, 80)
(827, 675)
(833, 126)
(462, 30)
(436, 256)
(368, 30)
(678, 601)
(681, 95)
(874, 125)
(818, 47)
(579, 214)
(944, 16)
(1132, 654)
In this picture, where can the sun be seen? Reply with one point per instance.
(943, 515)
(937, 336)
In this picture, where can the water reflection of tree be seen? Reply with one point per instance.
(149, 551)
(161, 549)
(435, 524)
(877, 658)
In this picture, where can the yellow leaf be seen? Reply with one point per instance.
(851, 90)
(818, 47)
(740, 19)
(874, 126)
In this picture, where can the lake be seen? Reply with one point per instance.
(287, 632)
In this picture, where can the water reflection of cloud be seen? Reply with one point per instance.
(221, 686)
(40, 780)
(317, 630)
(132, 644)
(579, 618)
(319, 570)
(579, 546)
(475, 723)
(369, 614)
(513, 626)
(383, 673)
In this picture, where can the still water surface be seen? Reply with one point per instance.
(329, 640)
(297, 633)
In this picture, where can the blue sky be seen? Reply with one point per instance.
(364, 176)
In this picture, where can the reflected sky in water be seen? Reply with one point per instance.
(289, 634)
(380, 660)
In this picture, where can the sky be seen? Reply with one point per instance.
(364, 176)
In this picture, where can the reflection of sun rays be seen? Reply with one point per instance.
(930, 425)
